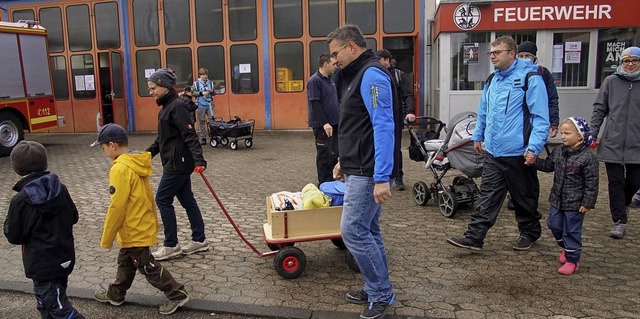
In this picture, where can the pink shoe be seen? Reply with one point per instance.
(562, 258)
(569, 268)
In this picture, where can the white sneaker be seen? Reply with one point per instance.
(194, 247)
(164, 253)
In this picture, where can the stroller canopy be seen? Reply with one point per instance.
(459, 147)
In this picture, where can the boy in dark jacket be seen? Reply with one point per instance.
(187, 98)
(574, 191)
(41, 218)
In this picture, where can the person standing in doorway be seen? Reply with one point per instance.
(514, 129)
(619, 101)
(367, 147)
(323, 117)
(204, 92)
(181, 155)
(404, 93)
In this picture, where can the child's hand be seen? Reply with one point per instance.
(583, 209)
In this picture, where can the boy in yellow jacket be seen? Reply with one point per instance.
(132, 218)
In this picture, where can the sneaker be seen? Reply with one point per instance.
(101, 296)
(563, 257)
(523, 243)
(164, 253)
(172, 305)
(203, 141)
(635, 203)
(569, 268)
(400, 185)
(377, 310)
(464, 242)
(510, 205)
(617, 231)
(195, 246)
(358, 297)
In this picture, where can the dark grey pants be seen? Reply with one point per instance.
(624, 181)
(140, 259)
(499, 175)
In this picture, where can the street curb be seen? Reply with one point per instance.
(202, 305)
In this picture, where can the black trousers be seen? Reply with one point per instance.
(499, 175)
(326, 153)
(624, 182)
(140, 259)
(52, 300)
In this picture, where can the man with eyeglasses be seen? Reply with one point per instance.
(513, 123)
(619, 102)
(366, 142)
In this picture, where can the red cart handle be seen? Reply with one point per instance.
(224, 210)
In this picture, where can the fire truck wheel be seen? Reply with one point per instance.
(11, 132)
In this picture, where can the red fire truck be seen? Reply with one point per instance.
(26, 93)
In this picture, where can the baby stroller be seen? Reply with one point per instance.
(455, 151)
(230, 132)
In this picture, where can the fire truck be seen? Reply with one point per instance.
(26, 92)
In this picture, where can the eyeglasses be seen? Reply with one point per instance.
(496, 52)
(630, 61)
(334, 54)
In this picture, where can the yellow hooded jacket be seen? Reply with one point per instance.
(132, 212)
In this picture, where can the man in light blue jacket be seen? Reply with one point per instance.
(513, 123)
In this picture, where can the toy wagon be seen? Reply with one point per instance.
(284, 228)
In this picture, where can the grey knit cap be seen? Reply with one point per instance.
(28, 157)
(163, 77)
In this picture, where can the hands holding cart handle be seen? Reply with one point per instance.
(199, 169)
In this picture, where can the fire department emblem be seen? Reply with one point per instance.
(466, 16)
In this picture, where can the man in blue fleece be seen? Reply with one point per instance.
(513, 122)
(366, 143)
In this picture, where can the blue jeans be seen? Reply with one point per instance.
(360, 227)
(178, 185)
(566, 227)
(52, 300)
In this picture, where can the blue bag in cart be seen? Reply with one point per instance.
(335, 190)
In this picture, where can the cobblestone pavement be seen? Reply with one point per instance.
(431, 278)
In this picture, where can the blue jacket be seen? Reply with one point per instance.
(501, 117)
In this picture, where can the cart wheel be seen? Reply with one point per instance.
(447, 202)
(275, 247)
(338, 243)
(421, 193)
(224, 141)
(290, 262)
(234, 145)
(351, 262)
(248, 143)
(214, 142)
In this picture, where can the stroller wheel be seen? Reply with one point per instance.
(233, 145)
(224, 141)
(421, 193)
(248, 142)
(214, 142)
(447, 203)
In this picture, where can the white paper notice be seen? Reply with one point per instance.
(556, 62)
(79, 79)
(89, 82)
(573, 46)
(572, 57)
(148, 72)
(244, 68)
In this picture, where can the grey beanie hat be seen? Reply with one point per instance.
(163, 77)
(529, 47)
(28, 157)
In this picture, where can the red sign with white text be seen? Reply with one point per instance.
(533, 15)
